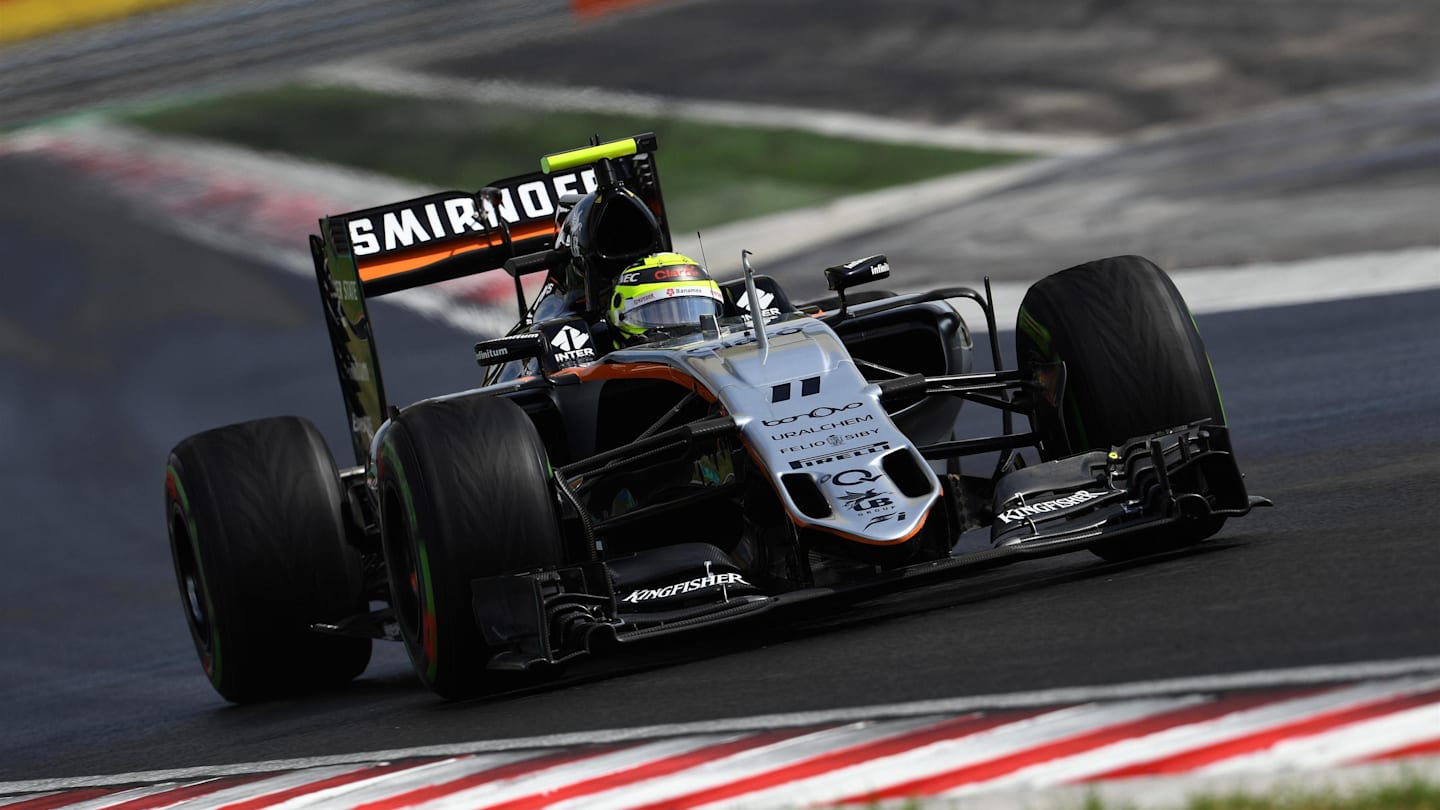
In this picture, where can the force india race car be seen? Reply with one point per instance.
(778, 454)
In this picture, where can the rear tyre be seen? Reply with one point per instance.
(258, 542)
(1134, 364)
(465, 493)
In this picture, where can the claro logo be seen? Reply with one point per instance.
(406, 227)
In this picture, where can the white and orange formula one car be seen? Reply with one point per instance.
(617, 479)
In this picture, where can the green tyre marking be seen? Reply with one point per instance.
(1214, 382)
(1218, 396)
(1037, 332)
(172, 476)
(428, 629)
(1026, 323)
(1084, 437)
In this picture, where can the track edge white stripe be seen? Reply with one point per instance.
(1298, 676)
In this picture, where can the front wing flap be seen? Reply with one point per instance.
(1181, 479)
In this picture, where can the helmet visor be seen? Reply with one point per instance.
(681, 310)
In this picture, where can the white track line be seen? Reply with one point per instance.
(1189, 737)
(928, 760)
(569, 773)
(837, 123)
(401, 781)
(269, 178)
(25, 797)
(276, 180)
(112, 799)
(266, 787)
(1273, 284)
(1340, 746)
(744, 764)
(1081, 694)
(430, 302)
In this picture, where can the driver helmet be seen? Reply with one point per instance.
(660, 291)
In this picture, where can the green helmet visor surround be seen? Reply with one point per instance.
(663, 291)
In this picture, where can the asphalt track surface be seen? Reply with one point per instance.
(116, 340)
(1248, 131)
(1333, 407)
(1080, 66)
(1356, 172)
(222, 44)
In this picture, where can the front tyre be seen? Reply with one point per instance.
(258, 542)
(1134, 363)
(465, 493)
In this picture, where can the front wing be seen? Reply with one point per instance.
(1147, 489)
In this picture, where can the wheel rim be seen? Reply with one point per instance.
(192, 585)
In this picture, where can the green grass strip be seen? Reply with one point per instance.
(1402, 794)
(1412, 793)
(1409, 795)
(711, 173)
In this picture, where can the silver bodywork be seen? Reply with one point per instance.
(805, 410)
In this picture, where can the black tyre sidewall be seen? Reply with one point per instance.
(1135, 361)
(256, 508)
(465, 493)
(1135, 364)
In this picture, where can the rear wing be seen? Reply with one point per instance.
(444, 236)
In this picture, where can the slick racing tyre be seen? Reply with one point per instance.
(258, 541)
(1134, 364)
(465, 493)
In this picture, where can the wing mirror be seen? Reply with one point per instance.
(500, 350)
(844, 276)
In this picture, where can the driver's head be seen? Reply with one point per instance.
(665, 290)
